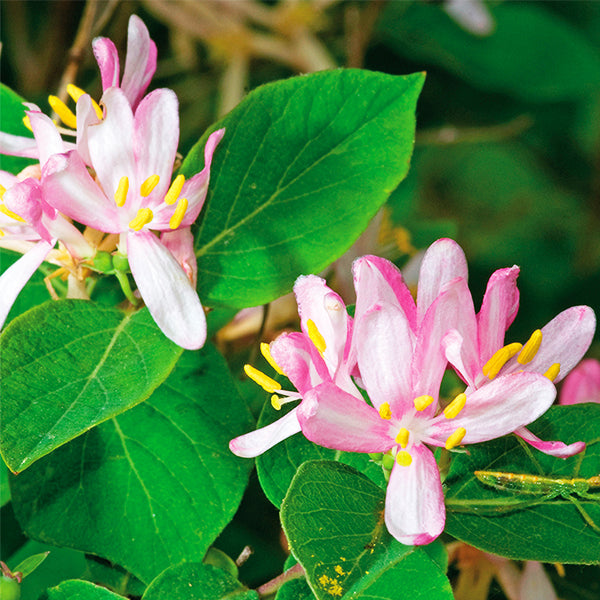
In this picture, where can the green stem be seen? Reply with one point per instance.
(126, 287)
(295, 572)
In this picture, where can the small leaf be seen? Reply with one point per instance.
(151, 487)
(70, 365)
(333, 519)
(553, 531)
(79, 590)
(304, 165)
(196, 581)
(31, 563)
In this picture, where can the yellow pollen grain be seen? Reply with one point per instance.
(178, 214)
(499, 359)
(27, 122)
(276, 402)
(63, 111)
(456, 438)
(385, 412)
(455, 406)
(265, 350)
(265, 382)
(402, 437)
(11, 214)
(530, 348)
(143, 217)
(315, 335)
(148, 185)
(175, 190)
(338, 569)
(403, 458)
(422, 402)
(76, 93)
(553, 371)
(122, 189)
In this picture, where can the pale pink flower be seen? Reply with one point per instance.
(582, 384)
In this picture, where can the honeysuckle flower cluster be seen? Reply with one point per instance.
(397, 350)
(116, 179)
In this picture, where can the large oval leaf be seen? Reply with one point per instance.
(304, 165)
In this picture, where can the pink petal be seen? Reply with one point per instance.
(498, 311)
(166, 290)
(582, 383)
(69, 188)
(414, 502)
(452, 344)
(443, 262)
(18, 274)
(46, 135)
(384, 344)
(86, 117)
(498, 408)
(18, 145)
(335, 419)
(256, 442)
(25, 199)
(181, 245)
(140, 61)
(107, 58)
(535, 583)
(558, 449)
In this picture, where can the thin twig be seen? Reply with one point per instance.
(295, 572)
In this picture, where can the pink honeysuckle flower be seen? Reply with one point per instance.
(321, 352)
(405, 419)
(132, 155)
(582, 384)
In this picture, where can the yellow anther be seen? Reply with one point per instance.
(455, 406)
(76, 93)
(499, 359)
(265, 382)
(315, 335)
(456, 438)
(530, 348)
(63, 111)
(2, 234)
(276, 402)
(122, 189)
(553, 371)
(27, 122)
(265, 350)
(148, 185)
(2, 191)
(11, 214)
(143, 217)
(385, 412)
(402, 437)
(178, 213)
(403, 458)
(175, 190)
(422, 402)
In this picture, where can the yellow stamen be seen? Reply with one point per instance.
(530, 348)
(148, 185)
(76, 93)
(403, 458)
(456, 438)
(178, 214)
(385, 412)
(422, 402)
(143, 217)
(27, 122)
(122, 189)
(265, 350)
(63, 111)
(499, 359)
(2, 191)
(553, 371)
(402, 437)
(315, 335)
(175, 190)
(265, 382)
(11, 214)
(276, 402)
(455, 406)
(2, 234)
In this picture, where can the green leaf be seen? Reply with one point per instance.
(553, 531)
(196, 581)
(304, 165)
(4, 488)
(333, 519)
(276, 468)
(113, 577)
(69, 365)
(79, 590)
(151, 487)
(513, 59)
(31, 563)
(11, 121)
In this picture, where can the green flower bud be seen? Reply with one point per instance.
(9, 588)
(120, 263)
